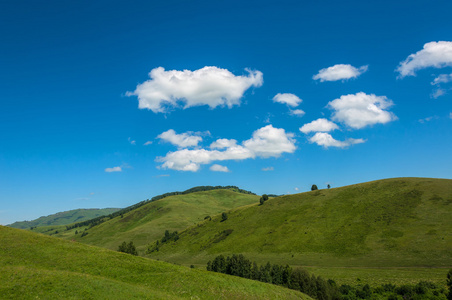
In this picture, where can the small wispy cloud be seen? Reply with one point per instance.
(339, 72)
(113, 169)
(219, 168)
(297, 112)
(132, 142)
(163, 175)
(147, 143)
(428, 119)
(438, 93)
(268, 169)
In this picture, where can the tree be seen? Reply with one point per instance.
(128, 248)
(224, 217)
(265, 197)
(261, 201)
(314, 187)
(328, 186)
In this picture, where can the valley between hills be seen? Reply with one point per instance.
(392, 231)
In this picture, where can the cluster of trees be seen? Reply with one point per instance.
(263, 199)
(319, 288)
(297, 279)
(167, 237)
(128, 248)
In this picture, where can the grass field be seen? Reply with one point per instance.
(149, 222)
(396, 230)
(36, 266)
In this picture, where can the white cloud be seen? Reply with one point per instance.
(438, 93)
(219, 168)
(326, 140)
(114, 169)
(297, 112)
(339, 72)
(289, 99)
(296, 189)
(428, 119)
(147, 143)
(265, 142)
(319, 125)
(450, 115)
(268, 169)
(223, 143)
(210, 86)
(132, 142)
(270, 142)
(434, 54)
(187, 139)
(360, 110)
(442, 78)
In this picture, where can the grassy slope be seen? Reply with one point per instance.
(149, 222)
(393, 223)
(37, 266)
(64, 218)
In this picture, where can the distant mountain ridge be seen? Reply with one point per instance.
(65, 217)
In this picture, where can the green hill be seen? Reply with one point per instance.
(148, 222)
(394, 223)
(35, 266)
(64, 218)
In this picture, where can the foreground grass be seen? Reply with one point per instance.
(391, 228)
(36, 266)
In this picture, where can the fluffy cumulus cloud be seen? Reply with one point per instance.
(339, 72)
(187, 139)
(114, 169)
(361, 110)
(322, 125)
(434, 54)
(287, 98)
(219, 168)
(223, 143)
(265, 142)
(210, 86)
(326, 140)
(270, 142)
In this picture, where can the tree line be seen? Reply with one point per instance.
(319, 288)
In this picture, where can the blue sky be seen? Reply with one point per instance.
(271, 96)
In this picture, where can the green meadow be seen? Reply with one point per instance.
(387, 231)
(36, 266)
(149, 222)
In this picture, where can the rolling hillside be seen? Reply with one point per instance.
(149, 222)
(35, 266)
(65, 218)
(393, 223)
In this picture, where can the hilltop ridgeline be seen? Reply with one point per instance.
(64, 218)
(96, 221)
